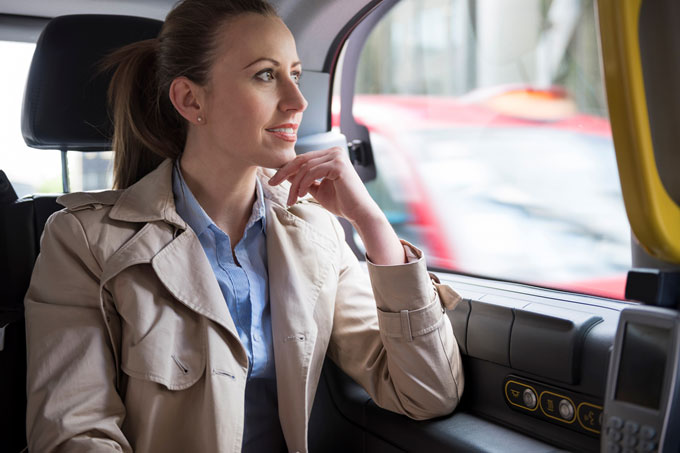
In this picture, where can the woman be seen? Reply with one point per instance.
(192, 308)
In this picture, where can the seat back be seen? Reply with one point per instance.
(21, 224)
(64, 109)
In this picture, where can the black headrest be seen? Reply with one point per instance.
(65, 99)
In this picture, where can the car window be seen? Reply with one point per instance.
(492, 141)
(36, 170)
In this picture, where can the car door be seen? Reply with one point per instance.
(487, 132)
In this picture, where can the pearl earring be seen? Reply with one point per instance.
(199, 119)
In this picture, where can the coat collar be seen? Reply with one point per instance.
(151, 198)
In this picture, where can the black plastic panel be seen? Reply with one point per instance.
(489, 328)
(459, 321)
(548, 341)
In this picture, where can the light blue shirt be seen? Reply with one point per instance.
(244, 285)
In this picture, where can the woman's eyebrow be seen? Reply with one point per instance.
(272, 61)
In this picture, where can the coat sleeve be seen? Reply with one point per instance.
(73, 404)
(392, 336)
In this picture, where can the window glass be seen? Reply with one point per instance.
(492, 140)
(37, 170)
(90, 171)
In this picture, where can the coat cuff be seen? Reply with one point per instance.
(404, 286)
(408, 324)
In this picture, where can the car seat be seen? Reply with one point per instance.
(64, 109)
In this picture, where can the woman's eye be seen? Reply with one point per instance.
(296, 77)
(266, 76)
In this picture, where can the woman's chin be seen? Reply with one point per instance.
(281, 159)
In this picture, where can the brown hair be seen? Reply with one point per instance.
(147, 128)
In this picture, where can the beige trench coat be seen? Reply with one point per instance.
(131, 346)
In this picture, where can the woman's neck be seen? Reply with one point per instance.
(225, 192)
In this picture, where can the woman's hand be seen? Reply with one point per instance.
(329, 176)
(331, 179)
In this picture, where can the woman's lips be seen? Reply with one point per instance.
(284, 132)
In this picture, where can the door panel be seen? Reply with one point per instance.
(490, 417)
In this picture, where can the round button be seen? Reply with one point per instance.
(615, 422)
(566, 410)
(529, 398)
(647, 432)
(631, 427)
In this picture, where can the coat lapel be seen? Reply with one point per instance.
(185, 271)
(179, 262)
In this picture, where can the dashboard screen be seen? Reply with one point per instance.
(643, 364)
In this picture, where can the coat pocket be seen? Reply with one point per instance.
(170, 353)
(162, 340)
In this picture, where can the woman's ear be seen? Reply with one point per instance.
(184, 95)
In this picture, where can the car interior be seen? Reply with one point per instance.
(545, 369)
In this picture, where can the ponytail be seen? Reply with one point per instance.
(146, 127)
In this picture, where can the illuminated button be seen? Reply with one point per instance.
(589, 416)
(529, 398)
(557, 406)
(550, 404)
(648, 433)
(566, 410)
(514, 392)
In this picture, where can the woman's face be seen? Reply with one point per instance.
(252, 103)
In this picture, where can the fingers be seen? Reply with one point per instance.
(310, 168)
(313, 179)
(293, 166)
(305, 171)
(310, 171)
(314, 188)
(326, 170)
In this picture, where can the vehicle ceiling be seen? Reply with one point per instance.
(329, 16)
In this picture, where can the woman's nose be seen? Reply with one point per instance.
(292, 98)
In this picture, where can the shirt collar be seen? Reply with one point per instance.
(259, 208)
(193, 214)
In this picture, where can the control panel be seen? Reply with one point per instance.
(554, 405)
(628, 435)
